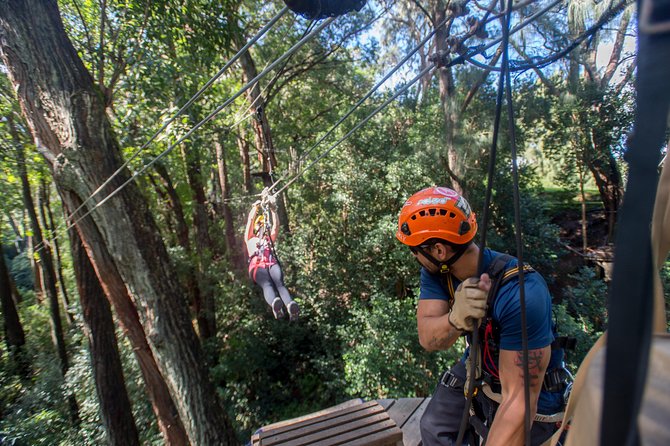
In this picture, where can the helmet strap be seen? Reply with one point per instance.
(444, 267)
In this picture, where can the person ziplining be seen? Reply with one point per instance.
(264, 268)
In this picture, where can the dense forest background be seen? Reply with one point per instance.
(132, 320)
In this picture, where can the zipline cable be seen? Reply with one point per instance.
(190, 102)
(247, 114)
(457, 60)
(171, 147)
(367, 95)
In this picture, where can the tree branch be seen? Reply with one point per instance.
(616, 51)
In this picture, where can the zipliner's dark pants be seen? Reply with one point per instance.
(271, 281)
(441, 421)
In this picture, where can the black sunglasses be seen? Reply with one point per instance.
(415, 249)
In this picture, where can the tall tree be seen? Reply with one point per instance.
(46, 215)
(169, 422)
(46, 264)
(115, 409)
(66, 115)
(15, 337)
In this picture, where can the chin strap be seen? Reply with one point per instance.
(444, 267)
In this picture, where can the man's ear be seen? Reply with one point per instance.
(442, 251)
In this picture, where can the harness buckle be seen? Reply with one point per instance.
(450, 380)
(557, 380)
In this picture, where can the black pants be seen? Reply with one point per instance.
(441, 421)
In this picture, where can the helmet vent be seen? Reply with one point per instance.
(443, 212)
(452, 215)
(413, 217)
(422, 213)
(432, 211)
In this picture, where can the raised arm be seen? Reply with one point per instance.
(249, 231)
(275, 223)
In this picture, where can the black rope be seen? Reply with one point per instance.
(503, 82)
(517, 236)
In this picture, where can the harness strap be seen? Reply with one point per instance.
(451, 380)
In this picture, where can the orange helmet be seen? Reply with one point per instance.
(436, 212)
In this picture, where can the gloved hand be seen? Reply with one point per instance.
(257, 204)
(469, 305)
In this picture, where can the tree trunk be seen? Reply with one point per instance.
(66, 114)
(177, 212)
(47, 223)
(176, 209)
(243, 146)
(45, 262)
(234, 248)
(608, 180)
(115, 409)
(109, 278)
(454, 163)
(205, 310)
(262, 130)
(15, 337)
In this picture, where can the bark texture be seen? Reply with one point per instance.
(115, 409)
(169, 422)
(67, 117)
(15, 337)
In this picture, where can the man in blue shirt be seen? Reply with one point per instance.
(439, 226)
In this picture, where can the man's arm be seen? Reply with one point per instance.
(508, 424)
(435, 330)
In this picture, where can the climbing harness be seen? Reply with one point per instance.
(485, 378)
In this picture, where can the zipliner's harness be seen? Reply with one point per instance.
(556, 380)
(264, 256)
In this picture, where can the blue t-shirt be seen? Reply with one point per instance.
(507, 314)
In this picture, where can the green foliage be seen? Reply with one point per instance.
(583, 312)
(356, 285)
(383, 358)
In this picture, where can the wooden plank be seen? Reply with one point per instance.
(303, 418)
(327, 414)
(359, 435)
(386, 403)
(411, 431)
(388, 437)
(403, 409)
(315, 432)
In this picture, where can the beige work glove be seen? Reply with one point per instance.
(469, 305)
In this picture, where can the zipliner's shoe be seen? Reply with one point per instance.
(293, 311)
(278, 308)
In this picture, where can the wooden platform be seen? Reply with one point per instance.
(355, 422)
(406, 413)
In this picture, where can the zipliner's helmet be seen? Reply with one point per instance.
(259, 221)
(436, 212)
